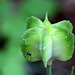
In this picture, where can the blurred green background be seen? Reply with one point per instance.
(13, 14)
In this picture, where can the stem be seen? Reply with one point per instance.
(71, 73)
(49, 70)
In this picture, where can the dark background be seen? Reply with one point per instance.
(13, 14)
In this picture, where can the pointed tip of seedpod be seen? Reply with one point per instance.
(45, 63)
(46, 21)
(46, 17)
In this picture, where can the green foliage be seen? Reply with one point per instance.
(40, 7)
(12, 26)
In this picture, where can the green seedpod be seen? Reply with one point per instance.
(47, 42)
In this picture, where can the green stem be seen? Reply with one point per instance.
(71, 73)
(49, 70)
